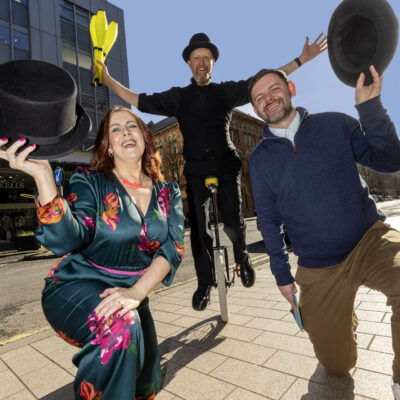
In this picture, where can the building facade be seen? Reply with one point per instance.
(55, 31)
(245, 131)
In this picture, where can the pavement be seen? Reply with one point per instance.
(259, 354)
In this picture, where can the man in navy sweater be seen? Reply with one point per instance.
(304, 175)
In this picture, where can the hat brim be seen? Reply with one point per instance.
(361, 33)
(68, 143)
(200, 45)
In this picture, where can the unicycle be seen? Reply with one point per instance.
(221, 275)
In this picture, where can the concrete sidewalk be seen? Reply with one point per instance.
(259, 354)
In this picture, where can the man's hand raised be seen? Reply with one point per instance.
(365, 93)
(314, 49)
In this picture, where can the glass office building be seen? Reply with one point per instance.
(55, 31)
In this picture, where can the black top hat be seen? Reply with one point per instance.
(361, 33)
(200, 40)
(38, 102)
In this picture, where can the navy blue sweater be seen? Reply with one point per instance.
(314, 188)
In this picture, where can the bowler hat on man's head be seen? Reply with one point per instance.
(361, 33)
(197, 41)
(38, 102)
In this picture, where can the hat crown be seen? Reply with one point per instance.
(198, 38)
(37, 100)
(361, 33)
(23, 82)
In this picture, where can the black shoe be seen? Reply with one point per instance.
(247, 273)
(200, 298)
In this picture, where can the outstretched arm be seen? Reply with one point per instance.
(120, 90)
(309, 52)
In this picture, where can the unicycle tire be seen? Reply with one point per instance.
(221, 285)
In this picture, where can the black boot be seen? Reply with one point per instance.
(200, 298)
(247, 273)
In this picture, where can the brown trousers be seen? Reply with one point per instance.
(327, 298)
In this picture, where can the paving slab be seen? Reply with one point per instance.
(259, 354)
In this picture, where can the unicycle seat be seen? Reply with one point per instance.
(211, 181)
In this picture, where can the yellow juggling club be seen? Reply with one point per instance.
(101, 27)
(111, 37)
(92, 28)
(103, 38)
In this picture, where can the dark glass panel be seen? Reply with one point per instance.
(72, 69)
(67, 31)
(82, 18)
(84, 40)
(5, 53)
(21, 54)
(4, 10)
(4, 35)
(66, 11)
(21, 40)
(19, 14)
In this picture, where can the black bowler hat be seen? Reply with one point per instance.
(361, 33)
(38, 102)
(197, 41)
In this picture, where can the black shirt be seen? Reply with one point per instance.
(203, 113)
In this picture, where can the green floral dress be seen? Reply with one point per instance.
(106, 241)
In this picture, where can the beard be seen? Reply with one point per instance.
(277, 117)
(202, 79)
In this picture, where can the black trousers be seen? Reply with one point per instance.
(227, 170)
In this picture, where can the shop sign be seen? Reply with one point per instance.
(11, 185)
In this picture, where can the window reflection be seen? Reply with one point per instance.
(21, 40)
(68, 53)
(4, 35)
(18, 39)
(66, 11)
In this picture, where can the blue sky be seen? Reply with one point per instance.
(250, 35)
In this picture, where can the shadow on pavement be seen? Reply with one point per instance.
(178, 351)
(66, 392)
(329, 387)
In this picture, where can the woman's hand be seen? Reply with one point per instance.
(34, 168)
(40, 170)
(118, 299)
(105, 75)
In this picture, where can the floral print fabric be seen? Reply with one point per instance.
(51, 212)
(98, 223)
(113, 334)
(110, 216)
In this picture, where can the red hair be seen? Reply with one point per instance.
(101, 161)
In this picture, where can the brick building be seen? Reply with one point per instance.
(245, 131)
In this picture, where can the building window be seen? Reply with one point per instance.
(173, 147)
(21, 39)
(66, 11)
(68, 53)
(85, 61)
(14, 34)
(4, 35)
(233, 135)
(4, 10)
(20, 14)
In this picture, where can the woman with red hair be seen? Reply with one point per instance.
(120, 231)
